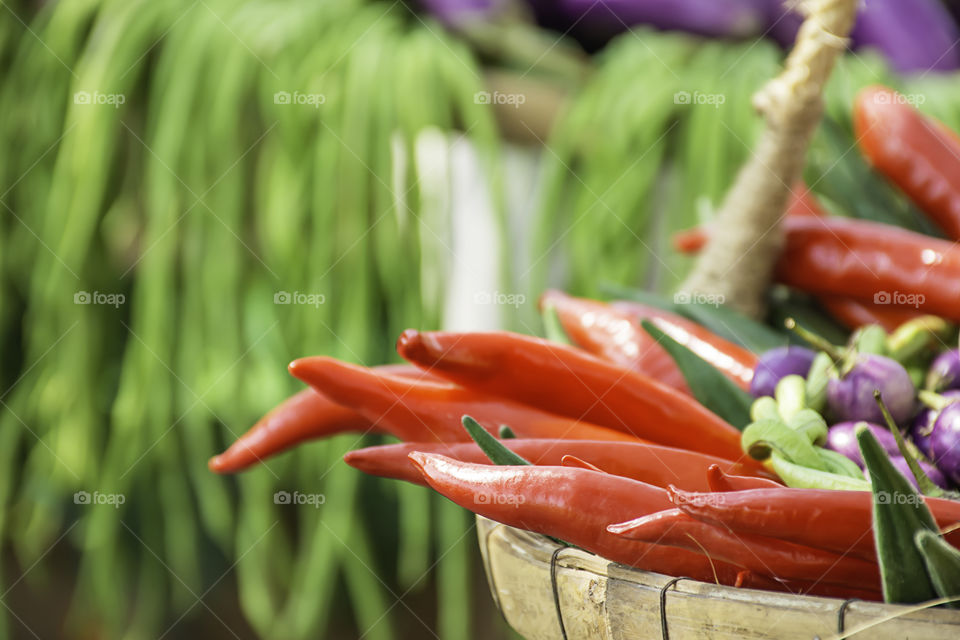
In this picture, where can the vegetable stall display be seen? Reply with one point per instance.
(787, 502)
(153, 160)
(645, 490)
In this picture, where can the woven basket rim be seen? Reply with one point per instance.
(549, 558)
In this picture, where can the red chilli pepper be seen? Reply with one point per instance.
(838, 521)
(614, 335)
(758, 553)
(871, 261)
(422, 411)
(731, 359)
(854, 314)
(720, 480)
(306, 415)
(303, 416)
(577, 463)
(917, 153)
(652, 464)
(574, 505)
(573, 383)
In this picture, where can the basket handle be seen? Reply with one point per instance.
(737, 263)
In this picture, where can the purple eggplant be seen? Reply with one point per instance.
(779, 363)
(923, 425)
(842, 438)
(914, 35)
(944, 373)
(784, 22)
(594, 23)
(736, 18)
(459, 13)
(920, 431)
(851, 397)
(945, 442)
(932, 472)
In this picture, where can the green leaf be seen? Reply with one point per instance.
(506, 433)
(638, 295)
(711, 388)
(735, 327)
(785, 303)
(899, 513)
(492, 447)
(858, 191)
(942, 562)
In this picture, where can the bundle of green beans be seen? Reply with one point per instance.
(648, 147)
(218, 155)
(202, 159)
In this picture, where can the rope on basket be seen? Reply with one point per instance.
(842, 612)
(556, 590)
(664, 631)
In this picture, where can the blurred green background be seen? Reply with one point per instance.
(196, 192)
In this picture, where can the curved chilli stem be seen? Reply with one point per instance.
(736, 266)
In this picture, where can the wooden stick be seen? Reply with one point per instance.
(737, 264)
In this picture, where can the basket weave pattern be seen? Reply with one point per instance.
(549, 592)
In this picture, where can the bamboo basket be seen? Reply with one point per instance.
(546, 591)
(549, 592)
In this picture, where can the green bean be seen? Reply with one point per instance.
(257, 535)
(371, 608)
(219, 331)
(138, 423)
(453, 571)
(75, 379)
(313, 577)
(395, 263)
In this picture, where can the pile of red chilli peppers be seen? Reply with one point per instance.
(647, 439)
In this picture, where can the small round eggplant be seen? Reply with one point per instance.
(779, 363)
(842, 438)
(851, 397)
(932, 472)
(944, 373)
(945, 442)
(923, 424)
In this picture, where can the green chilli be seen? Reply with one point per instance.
(899, 513)
(760, 439)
